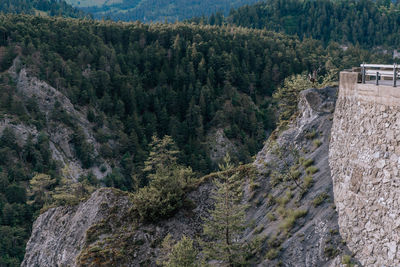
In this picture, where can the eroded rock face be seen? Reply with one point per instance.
(102, 229)
(316, 235)
(364, 161)
(59, 234)
(60, 136)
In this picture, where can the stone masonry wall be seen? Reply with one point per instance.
(364, 159)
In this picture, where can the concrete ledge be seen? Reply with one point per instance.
(379, 94)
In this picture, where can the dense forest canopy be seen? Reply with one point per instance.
(175, 79)
(156, 10)
(40, 7)
(365, 22)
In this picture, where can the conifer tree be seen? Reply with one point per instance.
(39, 188)
(180, 254)
(226, 223)
(167, 180)
(162, 157)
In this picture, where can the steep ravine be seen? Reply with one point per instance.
(102, 229)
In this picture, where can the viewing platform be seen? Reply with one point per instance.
(372, 83)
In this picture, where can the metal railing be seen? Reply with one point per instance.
(380, 72)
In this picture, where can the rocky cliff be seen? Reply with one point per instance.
(364, 160)
(48, 98)
(303, 148)
(291, 217)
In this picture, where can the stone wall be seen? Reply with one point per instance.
(364, 158)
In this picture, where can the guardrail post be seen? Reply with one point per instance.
(377, 78)
(394, 75)
(363, 73)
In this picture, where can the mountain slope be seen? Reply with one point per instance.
(367, 23)
(156, 10)
(39, 7)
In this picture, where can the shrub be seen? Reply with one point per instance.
(311, 170)
(272, 254)
(271, 200)
(308, 181)
(281, 210)
(254, 186)
(182, 253)
(320, 199)
(346, 259)
(307, 163)
(330, 252)
(317, 143)
(285, 199)
(271, 216)
(276, 178)
(259, 229)
(103, 168)
(311, 135)
(295, 174)
(164, 196)
(290, 220)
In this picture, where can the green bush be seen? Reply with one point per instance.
(271, 217)
(163, 197)
(347, 259)
(311, 135)
(311, 170)
(307, 163)
(317, 143)
(254, 186)
(295, 174)
(290, 220)
(320, 199)
(259, 229)
(308, 181)
(272, 254)
(103, 168)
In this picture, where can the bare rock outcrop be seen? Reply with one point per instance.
(60, 135)
(103, 229)
(59, 234)
(314, 240)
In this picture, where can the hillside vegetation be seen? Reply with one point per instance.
(156, 10)
(39, 7)
(364, 22)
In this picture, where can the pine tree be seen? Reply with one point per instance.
(39, 188)
(181, 254)
(162, 157)
(226, 223)
(167, 179)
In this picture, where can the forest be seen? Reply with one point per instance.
(40, 7)
(366, 23)
(161, 10)
(141, 82)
